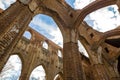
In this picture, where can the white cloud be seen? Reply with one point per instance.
(38, 73)
(2, 5)
(6, 3)
(50, 29)
(104, 19)
(79, 4)
(58, 37)
(53, 31)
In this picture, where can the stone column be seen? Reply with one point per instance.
(98, 66)
(72, 65)
(9, 17)
(13, 23)
(26, 72)
(49, 76)
(28, 64)
(99, 72)
(50, 71)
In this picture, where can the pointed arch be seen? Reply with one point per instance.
(59, 53)
(82, 49)
(104, 22)
(12, 68)
(45, 25)
(38, 73)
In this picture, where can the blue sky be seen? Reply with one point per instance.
(71, 2)
(104, 19)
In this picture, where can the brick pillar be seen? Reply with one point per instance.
(28, 64)
(9, 17)
(72, 67)
(49, 76)
(99, 72)
(97, 65)
(13, 23)
(50, 71)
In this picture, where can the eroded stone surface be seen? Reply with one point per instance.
(103, 62)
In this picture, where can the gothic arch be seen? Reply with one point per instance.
(40, 67)
(82, 49)
(59, 53)
(44, 14)
(20, 56)
(30, 33)
(91, 8)
(55, 16)
(13, 66)
(105, 22)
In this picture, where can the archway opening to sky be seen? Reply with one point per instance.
(82, 50)
(45, 45)
(38, 73)
(27, 35)
(12, 69)
(46, 26)
(59, 53)
(104, 19)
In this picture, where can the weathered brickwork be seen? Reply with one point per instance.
(103, 48)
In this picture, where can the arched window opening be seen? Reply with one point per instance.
(104, 19)
(38, 74)
(27, 35)
(12, 69)
(46, 26)
(59, 53)
(4, 4)
(45, 45)
(58, 77)
(82, 49)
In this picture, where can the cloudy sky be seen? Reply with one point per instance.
(102, 20)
